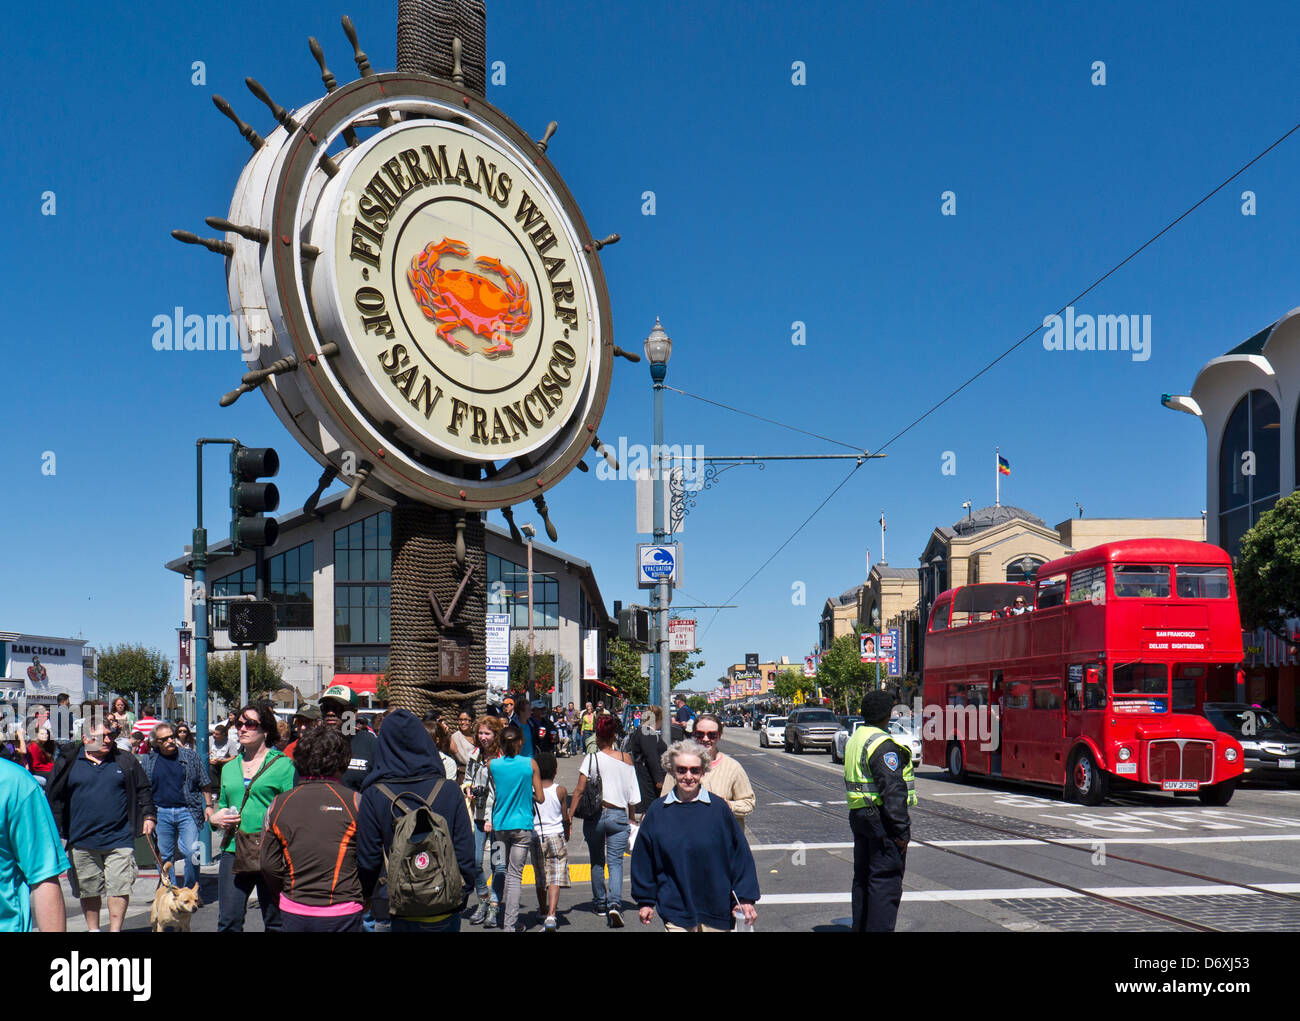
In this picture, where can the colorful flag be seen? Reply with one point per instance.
(1004, 466)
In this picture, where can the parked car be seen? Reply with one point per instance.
(810, 729)
(848, 725)
(904, 732)
(1270, 749)
(772, 731)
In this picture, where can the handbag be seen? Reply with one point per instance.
(591, 804)
(248, 846)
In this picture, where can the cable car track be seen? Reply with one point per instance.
(1186, 923)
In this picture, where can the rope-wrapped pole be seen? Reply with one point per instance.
(439, 665)
(425, 30)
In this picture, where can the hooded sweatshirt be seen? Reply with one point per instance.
(407, 760)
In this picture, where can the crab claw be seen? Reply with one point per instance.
(450, 246)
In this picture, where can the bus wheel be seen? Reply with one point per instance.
(1086, 783)
(956, 761)
(1219, 794)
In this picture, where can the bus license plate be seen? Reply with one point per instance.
(1126, 768)
(1286, 763)
(1179, 785)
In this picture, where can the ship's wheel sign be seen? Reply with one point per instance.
(463, 293)
(424, 301)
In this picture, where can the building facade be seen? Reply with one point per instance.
(36, 669)
(1248, 401)
(329, 575)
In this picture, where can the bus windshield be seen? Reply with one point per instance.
(1140, 679)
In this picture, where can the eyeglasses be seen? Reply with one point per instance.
(164, 738)
(689, 770)
(249, 724)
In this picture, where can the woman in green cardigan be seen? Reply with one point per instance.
(249, 783)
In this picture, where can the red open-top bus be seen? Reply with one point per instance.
(1099, 682)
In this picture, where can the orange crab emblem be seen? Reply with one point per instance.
(453, 298)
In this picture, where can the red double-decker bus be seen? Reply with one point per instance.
(1100, 680)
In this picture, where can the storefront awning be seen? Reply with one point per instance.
(362, 684)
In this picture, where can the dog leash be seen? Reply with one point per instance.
(157, 856)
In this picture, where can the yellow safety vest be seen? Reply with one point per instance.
(859, 785)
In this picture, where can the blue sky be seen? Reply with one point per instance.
(775, 204)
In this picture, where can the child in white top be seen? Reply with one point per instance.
(553, 827)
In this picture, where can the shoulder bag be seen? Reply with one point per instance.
(248, 846)
(591, 804)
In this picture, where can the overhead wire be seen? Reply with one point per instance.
(939, 404)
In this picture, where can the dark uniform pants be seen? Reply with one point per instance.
(877, 873)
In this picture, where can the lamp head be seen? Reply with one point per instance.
(528, 530)
(658, 349)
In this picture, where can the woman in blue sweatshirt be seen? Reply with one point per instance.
(691, 861)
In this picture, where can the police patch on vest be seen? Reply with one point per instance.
(891, 760)
(421, 860)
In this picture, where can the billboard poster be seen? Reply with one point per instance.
(590, 655)
(869, 647)
(497, 642)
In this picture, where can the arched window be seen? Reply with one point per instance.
(1016, 569)
(1249, 466)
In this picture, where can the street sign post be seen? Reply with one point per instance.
(681, 635)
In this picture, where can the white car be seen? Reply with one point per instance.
(901, 730)
(772, 731)
(904, 732)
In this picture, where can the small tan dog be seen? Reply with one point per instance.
(173, 905)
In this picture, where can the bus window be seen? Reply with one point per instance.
(1140, 679)
(1133, 581)
(1202, 582)
(1094, 689)
(1018, 695)
(941, 617)
(1047, 696)
(978, 694)
(1051, 591)
(1088, 584)
(1185, 678)
(957, 694)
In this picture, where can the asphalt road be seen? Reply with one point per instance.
(986, 856)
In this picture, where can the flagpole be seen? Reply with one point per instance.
(997, 478)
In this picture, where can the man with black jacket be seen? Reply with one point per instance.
(879, 785)
(101, 800)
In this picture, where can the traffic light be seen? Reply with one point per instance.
(252, 621)
(249, 499)
(634, 625)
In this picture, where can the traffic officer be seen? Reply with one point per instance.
(880, 786)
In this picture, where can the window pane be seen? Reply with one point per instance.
(1232, 526)
(372, 624)
(372, 565)
(1265, 438)
(357, 621)
(371, 532)
(1236, 441)
(385, 564)
(385, 529)
(384, 624)
(1141, 581)
(277, 573)
(356, 536)
(1202, 582)
(1051, 591)
(1047, 697)
(356, 564)
(1140, 679)
(1088, 584)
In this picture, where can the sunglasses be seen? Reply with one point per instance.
(708, 735)
(164, 738)
(249, 724)
(689, 770)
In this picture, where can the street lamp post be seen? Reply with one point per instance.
(529, 531)
(658, 349)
